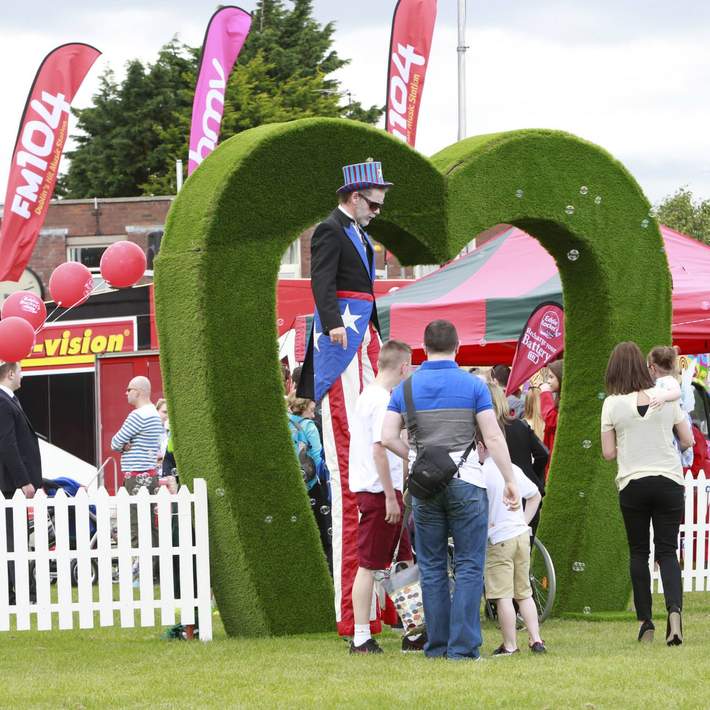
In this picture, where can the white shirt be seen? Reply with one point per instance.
(7, 391)
(366, 430)
(358, 228)
(504, 524)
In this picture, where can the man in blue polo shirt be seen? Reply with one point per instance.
(449, 403)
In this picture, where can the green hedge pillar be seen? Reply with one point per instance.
(215, 297)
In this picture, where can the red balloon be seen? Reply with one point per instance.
(17, 338)
(27, 305)
(70, 284)
(123, 264)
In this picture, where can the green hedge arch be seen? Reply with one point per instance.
(215, 301)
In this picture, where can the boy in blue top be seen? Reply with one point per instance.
(449, 405)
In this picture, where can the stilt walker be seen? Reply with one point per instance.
(342, 353)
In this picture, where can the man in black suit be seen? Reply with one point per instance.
(20, 462)
(342, 352)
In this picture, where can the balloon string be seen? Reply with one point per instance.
(56, 308)
(46, 320)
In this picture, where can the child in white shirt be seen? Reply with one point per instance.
(663, 367)
(507, 571)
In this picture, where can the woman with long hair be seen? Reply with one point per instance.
(550, 393)
(649, 480)
(532, 413)
(526, 450)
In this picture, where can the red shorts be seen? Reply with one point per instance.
(376, 539)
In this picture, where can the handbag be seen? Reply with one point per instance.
(404, 588)
(433, 468)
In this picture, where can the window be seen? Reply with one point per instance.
(88, 251)
(291, 261)
(88, 256)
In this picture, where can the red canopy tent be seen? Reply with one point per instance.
(489, 294)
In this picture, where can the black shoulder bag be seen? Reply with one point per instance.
(433, 468)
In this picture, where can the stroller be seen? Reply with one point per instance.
(70, 488)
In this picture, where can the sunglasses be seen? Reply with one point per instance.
(374, 206)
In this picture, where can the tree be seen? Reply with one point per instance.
(136, 130)
(683, 213)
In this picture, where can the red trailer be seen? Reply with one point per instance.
(112, 374)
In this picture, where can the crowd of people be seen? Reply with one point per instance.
(490, 450)
(491, 507)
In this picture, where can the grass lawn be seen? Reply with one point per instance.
(589, 665)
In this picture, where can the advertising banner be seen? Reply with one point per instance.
(74, 345)
(226, 32)
(38, 150)
(412, 31)
(541, 342)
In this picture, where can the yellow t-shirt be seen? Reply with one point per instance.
(644, 445)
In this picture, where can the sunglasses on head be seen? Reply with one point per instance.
(374, 206)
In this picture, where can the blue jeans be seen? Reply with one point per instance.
(453, 624)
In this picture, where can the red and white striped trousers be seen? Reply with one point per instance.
(337, 408)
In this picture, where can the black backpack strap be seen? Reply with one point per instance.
(469, 449)
(411, 410)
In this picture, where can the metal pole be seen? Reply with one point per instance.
(461, 49)
(178, 174)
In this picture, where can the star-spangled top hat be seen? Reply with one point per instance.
(360, 176)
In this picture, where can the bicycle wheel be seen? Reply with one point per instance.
(542, 579)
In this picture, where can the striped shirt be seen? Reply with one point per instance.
(144, 431)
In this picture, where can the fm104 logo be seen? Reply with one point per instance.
(403, 92)
(41, 143)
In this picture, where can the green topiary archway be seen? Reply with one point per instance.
(215, 297)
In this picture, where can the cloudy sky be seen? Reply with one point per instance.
(632, 76)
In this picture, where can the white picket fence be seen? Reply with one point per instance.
(693, 537)
(101, 562)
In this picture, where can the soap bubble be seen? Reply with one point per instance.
(705, 305)
(219, 492)
(586, 444)
(330, 532)
(644, 223)
(569, 209)
(578, 566)
(269, 519)
(293, 518)
(324, 509)
(573, 255)
(519, 193)
(582, 494)
(587, 610)
(598, 200)
(583, 190)
(313, 502)
(483, 342)
(601, 395)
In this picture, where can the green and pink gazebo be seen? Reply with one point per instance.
(490, 292)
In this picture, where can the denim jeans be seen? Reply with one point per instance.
(453, 624)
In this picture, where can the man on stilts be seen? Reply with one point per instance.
(342, 353)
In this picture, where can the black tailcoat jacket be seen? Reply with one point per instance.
(20, 461)
(336, 265)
